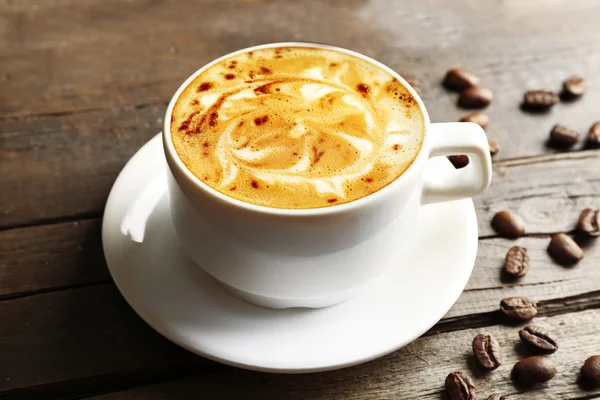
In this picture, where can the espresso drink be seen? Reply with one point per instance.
(296, 127)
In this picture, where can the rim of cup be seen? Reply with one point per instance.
(176, 162)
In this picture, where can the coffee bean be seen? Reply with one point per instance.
(475, 97)
(533, 370)
(494, 147)
(562, 136)
(538, 339)
(459, 80)
(478, 118)
(516, 263)
(487, 351)
(539, 100)
(459, 386)
(508, 224)
(594, 134)
(564, 250)
(589, 222)
(574, 86)
(459, 160)
(518, 308)
(591, 370)
(496, 396)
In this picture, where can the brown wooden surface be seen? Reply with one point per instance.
(84, 83)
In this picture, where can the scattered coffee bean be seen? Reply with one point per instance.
(496, 396)
(591, 370)
(574, 86)
(562, 136)
(539, 100)
(414, 83)
(594, 134)
(478, 118)
(459, 386)
(494, 147)
(533, 370)
(538, 339)
(564, 249)
(459, 80)
(589, 222)
(516, 263)
(518, 308)
(475, 97)
(459, 160)
(508, 224)
(487, 351)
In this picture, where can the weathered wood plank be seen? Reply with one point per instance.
(49, 173)
(549, 192)
(81, 334)
(50, 257)
(545, 280)
(70, 72)
(64, 166)
(47, 258)
(99, 315)
(416, 371)
(63, 56)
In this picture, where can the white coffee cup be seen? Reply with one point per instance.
(283, 258)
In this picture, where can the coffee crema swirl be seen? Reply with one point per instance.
(296, 127)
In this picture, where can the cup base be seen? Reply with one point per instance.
(282, 303)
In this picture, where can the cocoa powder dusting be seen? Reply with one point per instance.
(363, 89)
(316, 155)
(264, 89)
(254, 184)
(204, 86)
(229, 76)
(331, 200)
(265, 70)
(186, 124)
(261, 120)
(213, 119)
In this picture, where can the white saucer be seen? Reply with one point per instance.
(190, 308)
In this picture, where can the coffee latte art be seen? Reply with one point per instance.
(296, 127)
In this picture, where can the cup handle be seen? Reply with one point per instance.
(458, 138)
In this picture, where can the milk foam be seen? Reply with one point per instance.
(296, 127)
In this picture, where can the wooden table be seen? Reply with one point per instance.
(83, 84)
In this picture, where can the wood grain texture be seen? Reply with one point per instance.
(549, 192)
(416, 371)
(85, 83)
(62, 167)
(545, 280)
(93, 338)
(79, 335)
(64, 56)
(55, 257)
(50, 257)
